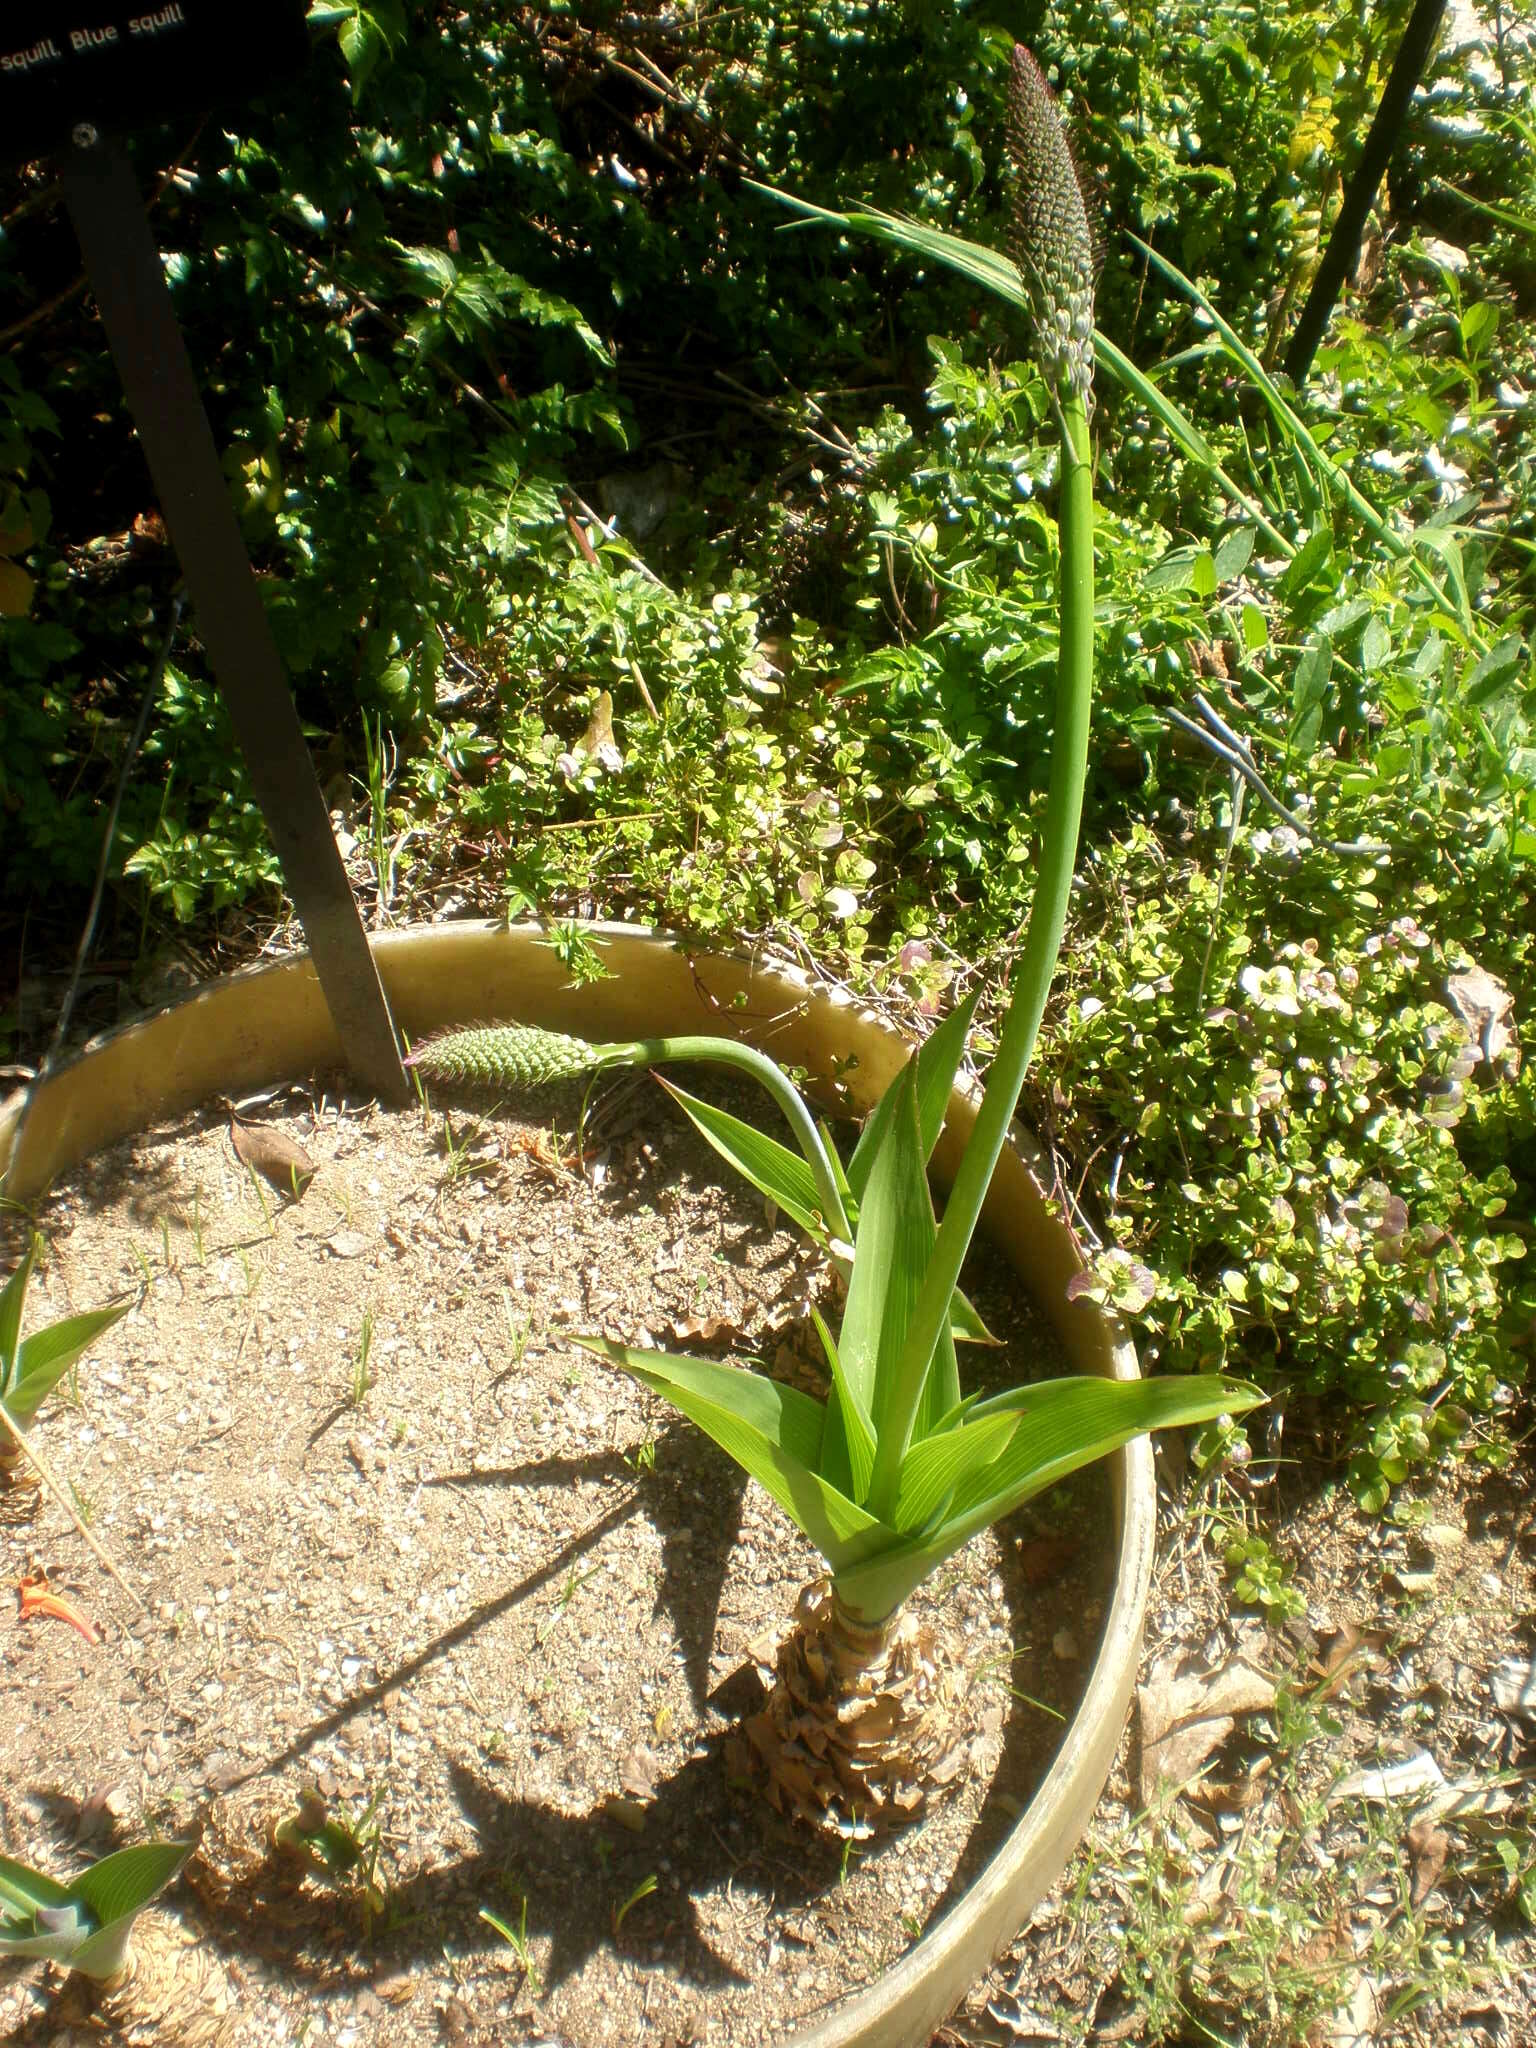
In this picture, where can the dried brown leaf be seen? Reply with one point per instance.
(637, 1773)
(274, 1155)
(1428, 1847)
(1487, 1009)
(1186, 1716)
(706, 1330)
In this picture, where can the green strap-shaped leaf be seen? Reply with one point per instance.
(1063, 1425)
(126, 1881)
(12, 1297)
(23, 1889)
(934, 1470)
(938, 1062)
(858, 1429)
(941, 1389)
(772, 1168)
(772, 1431)
(890, 1250)
(834, 1160)
(116, 1890)
(48, 1354)
(783, 1176)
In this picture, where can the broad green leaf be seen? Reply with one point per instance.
(1448, 548)
(890, 1250)
(126, 1881)
(23, 1890)
(934, 1469)
(941, 1389)
(12, 1299)
(773, 1169)
(1234, 553)
(858, 1429)
(48, 1354)
(116, 1890)
(1063, 1425)
(938, 1062)
(773, 1432)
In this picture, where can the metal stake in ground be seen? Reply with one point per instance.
(125, 273)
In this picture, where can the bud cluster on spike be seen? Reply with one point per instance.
(1051, 241)
(504, 1056)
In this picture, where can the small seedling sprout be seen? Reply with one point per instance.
(642, 1890)
(516, 1939)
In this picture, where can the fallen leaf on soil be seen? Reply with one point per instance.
(706, 1330)
(1513, 1680)
(1349, 1650)
(1187, 1716)
(104, 1810)
(1237, 1795)
(274, 1155)
(637, 1773)
(1353, 2024)
(1018, 2021)
(37, 1603)
(458, 2022)
(1467, 1799)
(629, 1813)
(1415, 1774)
(1428, 1847)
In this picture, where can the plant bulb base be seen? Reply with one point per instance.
(172, 1992)
(865, 1725)
(20, 1488)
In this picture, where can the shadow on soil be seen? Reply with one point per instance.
(704, 1832)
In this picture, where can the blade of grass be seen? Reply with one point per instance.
(1300, 436)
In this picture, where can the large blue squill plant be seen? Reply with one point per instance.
(898, 1468)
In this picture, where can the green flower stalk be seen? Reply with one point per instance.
(1054, 250)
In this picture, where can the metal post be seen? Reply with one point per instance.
(126, 275)
(1343, 249)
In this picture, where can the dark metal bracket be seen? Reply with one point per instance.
(127, 277)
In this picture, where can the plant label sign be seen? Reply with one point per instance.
(116, 64)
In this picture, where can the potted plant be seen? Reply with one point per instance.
(898, 1467)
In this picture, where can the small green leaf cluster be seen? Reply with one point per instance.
(31, 1367)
